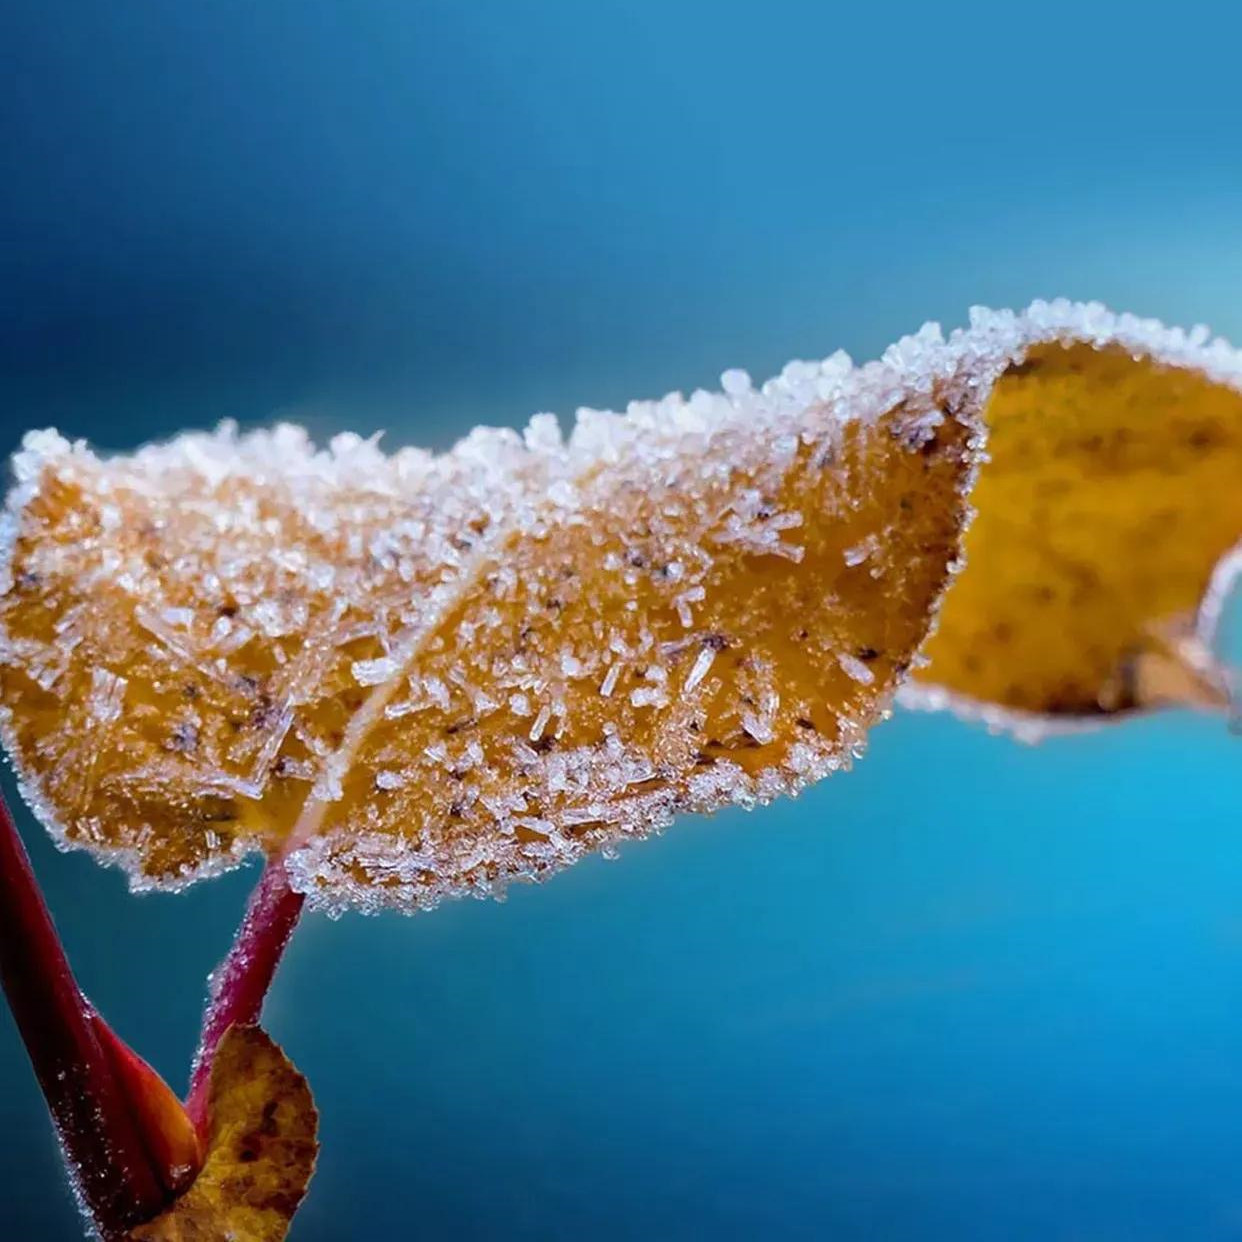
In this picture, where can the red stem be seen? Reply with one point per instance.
(98, 1130)
(240, 983)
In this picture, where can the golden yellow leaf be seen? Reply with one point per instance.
(1109, 520)
(418, 675)
(261, 1149)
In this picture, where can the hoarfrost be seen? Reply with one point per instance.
(375, 672)
(609, 684)
(855, 668)
(699, 670)
(107, 696)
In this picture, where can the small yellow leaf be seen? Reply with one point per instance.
(261, 1149)
(419, 675)
(1109, 521)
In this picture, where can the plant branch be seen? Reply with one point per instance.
(102, 1136)
(241, 982)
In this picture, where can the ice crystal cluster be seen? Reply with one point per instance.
(414, 675)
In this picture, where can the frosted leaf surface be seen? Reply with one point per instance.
(1110, 520)
(418, 675)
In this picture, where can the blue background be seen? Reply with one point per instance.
(971, 991)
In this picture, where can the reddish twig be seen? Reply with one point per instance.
(101, 1128)
(241, 982)
(130, 1145)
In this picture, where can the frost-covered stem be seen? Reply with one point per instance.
(240, 983)
(99, 1133)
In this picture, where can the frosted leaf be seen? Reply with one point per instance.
(1110, 521)
(415, 676)
(260, 1152)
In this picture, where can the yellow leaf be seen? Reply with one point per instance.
(261, 1149)
(1109, 520)
(419, 675)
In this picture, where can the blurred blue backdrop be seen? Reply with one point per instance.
(971, 991)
